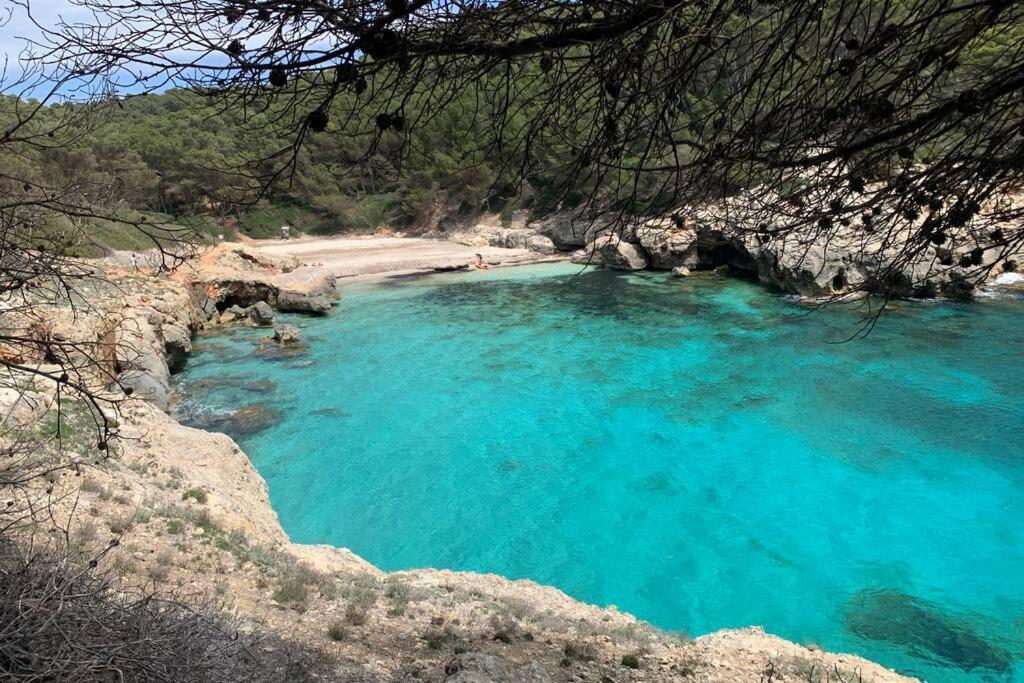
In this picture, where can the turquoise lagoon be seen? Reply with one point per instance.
(701, 453)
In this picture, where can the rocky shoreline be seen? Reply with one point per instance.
(193, 514)
(815, 262)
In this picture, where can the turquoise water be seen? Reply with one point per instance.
(699, 452)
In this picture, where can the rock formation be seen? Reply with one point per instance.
(816, 259)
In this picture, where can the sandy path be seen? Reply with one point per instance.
(350, 256)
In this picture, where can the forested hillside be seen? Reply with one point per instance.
(172, 157)
(218, 165)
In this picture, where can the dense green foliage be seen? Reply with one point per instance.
(576, 124)
(173, 156)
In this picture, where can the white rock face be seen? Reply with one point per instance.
(612, 252)
(307, 288)
(667, 245)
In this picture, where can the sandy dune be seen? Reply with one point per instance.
(350, 257)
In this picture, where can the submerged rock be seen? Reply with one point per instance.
(244, 421)
(923, 629)
(286, 334)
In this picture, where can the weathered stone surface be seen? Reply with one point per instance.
(286, 334)
(668, 246)
(307, 288)
(612, 252)
(823, 260)
(522, 238)
(568, 231)
(681, 272)
(261, 313)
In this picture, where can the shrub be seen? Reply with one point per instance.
(197, 494)
(397, 591)
(91, 486)
(159, 567)
(121, 524)
(439, 639)
(579, 649)
(505, 628)
(631, 661)
(63, 619)
(291, 591)
(358, 609)
(337, 632)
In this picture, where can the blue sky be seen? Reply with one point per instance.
(19, 26)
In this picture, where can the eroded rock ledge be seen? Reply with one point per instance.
(195, 516)
(816, 261)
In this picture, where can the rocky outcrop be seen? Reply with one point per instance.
(613, 252)
(795, 253)
(669, 245)
(820, 259)
(488, 233)
(570, 230)
(233, 275)
(261, 313)
(307, 289)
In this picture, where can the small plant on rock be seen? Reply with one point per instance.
(198, 495)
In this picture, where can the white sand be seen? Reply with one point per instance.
(350, 257)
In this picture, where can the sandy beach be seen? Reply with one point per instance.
(368, 256)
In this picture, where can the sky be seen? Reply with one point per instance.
(19, 26)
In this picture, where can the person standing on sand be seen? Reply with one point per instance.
(135, 261)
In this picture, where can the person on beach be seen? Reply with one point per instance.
(479, 263)
(135, 261)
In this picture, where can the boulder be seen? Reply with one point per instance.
(568, 231)
(261, 313)
(286, 334)
(308, 289)
(680, 272)
(232, 314)
(612, 252)
(510, 238)
(668, 246)
(140, 354)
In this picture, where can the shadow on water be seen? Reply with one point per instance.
(598, 293)
(923, 629)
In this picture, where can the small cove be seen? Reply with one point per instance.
(697, 453)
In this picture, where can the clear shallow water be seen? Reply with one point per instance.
(695, 452)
